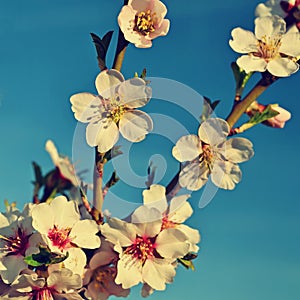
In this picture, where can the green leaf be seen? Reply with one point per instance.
(260, 117)
(188, 264)
(39, 179)
(208, 108)
(186, 261)
(45, 257)
(241, 78)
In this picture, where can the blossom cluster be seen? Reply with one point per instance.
(59, 247)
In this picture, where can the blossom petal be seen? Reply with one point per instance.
(134, 93)
(238, 150)
(107, 81)
(270, 26)
(103, 134)
(119, 232)
(243, 41)
(42, 218)
(225, 175)
(156, 273)
(102, 258)
(162, 30)
(290, 44)
(68, 212)
(187, 148)
(76, 261)
(282, 67)
(159, 8)
(172, 243)
(138, 5)
(213, 131)
(13, 264)
(156, 197)
(85, 234)
(193, 176)
(129, 271)
(134, 125)
(250, 63)
(27, 281)
(84, 106)
(64, 280)
(179, 210)
(193, 236)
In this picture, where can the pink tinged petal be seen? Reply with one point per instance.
(187, 148)
(155, 274)
(85, 107)
(159, 8)
(76, 260)
(226, 175)
(102, 258)
(213, 131)
(129, 271)
(193, 176)
(270, 26)
(149, 229)
(243, 41)
(134, 125)
(143, 42)
(162, 30)
(180, 210)
(42, 218)
(66, 212)
(172, 243)
(139, 6)
(237, 150)
(290, 44)
(144, 214)
(279, 120)
(134, 93)
(103, 134)
(147, 290)
(107, 81)
(119, 232)
(156, 197)
(64, 280)
(26, 283)
(85, 234)
(13, 265)
(282, 67)
(251, 63)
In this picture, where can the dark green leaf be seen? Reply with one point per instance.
(260, 117)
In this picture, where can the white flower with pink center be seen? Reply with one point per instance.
(113, 111)
(61, 284)
(146, 254)
(141, 21)
(271, 48)
(211, 154)
(174, 213)
(62, 230)
(16, 242)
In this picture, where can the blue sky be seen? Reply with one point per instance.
(250, 246)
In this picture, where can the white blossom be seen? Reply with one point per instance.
(113, 110)
(210, 154)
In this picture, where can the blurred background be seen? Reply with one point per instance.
(250, 247)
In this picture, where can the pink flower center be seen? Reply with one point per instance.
(145, 22)
(60, 237)
(166, 223)
(142, 249)
(42, 294)
(15, 245)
